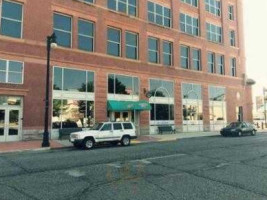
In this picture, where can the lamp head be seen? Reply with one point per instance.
(53, 40)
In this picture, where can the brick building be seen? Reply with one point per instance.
(155, 62)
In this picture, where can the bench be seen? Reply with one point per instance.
(166, 128)
(65, 132)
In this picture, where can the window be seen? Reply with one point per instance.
(158, 14)
(63, 30)
(114, 42)
(232, 38)
(11, 19)
(220, 64)
(216, 93)
(231, 12)
(167, 53)
(189, 24)
(125, 6)
(73, 80)
(127, 126)
(214, 33)
(88, 1)
(153, 50)
(160, 88)
(184, 57)
(191, 2)
(117, 126)
(85, 35)
(233, 66)
(191, 91)
(211, 62)
(213, 6)
(123, 85)
(192, 102)
(11, 72)
(106, 127)
(131, 45)
(162, 112)
(196, 59)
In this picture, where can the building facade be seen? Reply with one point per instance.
(153, 62)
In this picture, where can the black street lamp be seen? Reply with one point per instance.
(51, 42)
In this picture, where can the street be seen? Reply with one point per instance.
(198, 168)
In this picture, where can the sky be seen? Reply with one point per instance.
(255, 28)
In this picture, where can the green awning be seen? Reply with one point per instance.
(128, 105)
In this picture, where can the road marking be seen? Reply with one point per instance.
(75, 173)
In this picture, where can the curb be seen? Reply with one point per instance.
(25, 150)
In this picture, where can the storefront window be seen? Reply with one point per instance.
(191, 91)
(160, 88)
(125, 85)
(216, 93)
(11, 101)
(73, 80)
(162, 112)
(72, 114)
(192, 112)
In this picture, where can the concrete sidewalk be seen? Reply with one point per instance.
(57, 144)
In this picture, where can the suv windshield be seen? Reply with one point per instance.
(97, 126)
(234, 125)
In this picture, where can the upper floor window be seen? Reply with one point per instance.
(125, 6)
(114, 42)
(189, 24)
(232, 38)
(191, 2)
(233, 66)
(125, 85)
(213, 6)
(11, 72)
(131, 45)
(159, 14)
(211, 62)
(161, 88)
(73, 80)
(153, 50)
(88, 1)
(167, 53)
(214, 33)
(63, 29)
(184, 56)
(231, 12)
(220, 64)
(11, 19)
(196, 59)
(85, 35)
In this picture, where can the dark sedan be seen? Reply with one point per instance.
(239, 129)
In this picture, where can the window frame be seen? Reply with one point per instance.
(209, 6)
(196, 60)
(213, 63)
(182, 57)
(7, 72)
(233, 65)
(188, 24)
(167, 53)
(155, 14)
(87, 36)
(71, 31)
(155, 51)
(136, 47)
(127, 7)
(22, 18)
(211, 34)
(109, 41)
(191, 2)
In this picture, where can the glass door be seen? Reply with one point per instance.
(10, 124)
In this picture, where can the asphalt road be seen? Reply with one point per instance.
(199, 168)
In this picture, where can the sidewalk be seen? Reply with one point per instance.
(57, 144)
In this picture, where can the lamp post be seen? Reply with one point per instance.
(264, 102)
(51, 42)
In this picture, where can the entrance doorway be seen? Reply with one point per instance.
(126, 116)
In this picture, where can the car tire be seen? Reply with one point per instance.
(239, 133)
(88, 143)
(125, 141)
(253, 133)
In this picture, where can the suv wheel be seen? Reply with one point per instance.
(126, 141)
(88, 143)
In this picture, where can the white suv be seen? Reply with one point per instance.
(113, 132)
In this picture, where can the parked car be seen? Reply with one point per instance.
(113, 132)
(239, 129)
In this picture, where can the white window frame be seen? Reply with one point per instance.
(213, 63)
(163, 15)
(196, 60)
(216, 36)
(87, 36)
(220, 66)
(233, 67)
(182, 57)
(152, 50)
(9, 19)
(191, 3)
(7, 72)
(136, 47)
(232, 36)
(231, 12)
(64, 30)
(110, 41)
(185, 23)
(167, 53)
(127, 4)
(212, 4)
